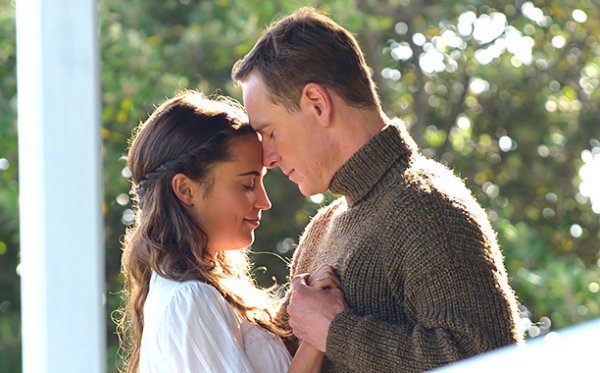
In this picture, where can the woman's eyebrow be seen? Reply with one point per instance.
(252, 173)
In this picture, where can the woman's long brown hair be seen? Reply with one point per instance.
(187, 134)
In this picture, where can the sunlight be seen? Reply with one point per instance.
(419, 39)
(487, 55)
(533, 13)
(488, 27)
(317, 198)
(478, 86)
(401, 51)
(579, 16)
(432, 61)
(590, 177)
(4, 164)
(520, 46)
(505, 143)
(559, 41)
(465, 23)
(449, 39)
(391, 74)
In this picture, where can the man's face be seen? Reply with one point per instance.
(291, 141)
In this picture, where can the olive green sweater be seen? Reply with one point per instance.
(418, 261)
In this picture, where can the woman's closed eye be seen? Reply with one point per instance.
(249, 187)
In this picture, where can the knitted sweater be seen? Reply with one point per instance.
(418, 261)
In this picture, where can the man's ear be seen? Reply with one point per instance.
(182, 187)
(317, 99)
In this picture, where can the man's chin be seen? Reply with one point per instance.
(307, 191)
(303, 190)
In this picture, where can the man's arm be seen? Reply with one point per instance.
(312, 309)
(449, 281)
(448, 273)
(303, 262)
(308, 358)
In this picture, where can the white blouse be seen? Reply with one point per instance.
(190, 327)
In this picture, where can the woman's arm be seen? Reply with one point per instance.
(308, 359)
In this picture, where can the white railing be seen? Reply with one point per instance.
(571, 350)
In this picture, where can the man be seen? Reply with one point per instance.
(421, 275)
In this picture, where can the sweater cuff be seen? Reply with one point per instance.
(339, 341)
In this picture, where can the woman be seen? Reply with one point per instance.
(197, 179)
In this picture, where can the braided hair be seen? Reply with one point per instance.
(187, 134)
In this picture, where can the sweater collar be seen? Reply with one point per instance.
(359, 175)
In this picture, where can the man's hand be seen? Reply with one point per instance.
(312, 309)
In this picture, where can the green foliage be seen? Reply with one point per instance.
(10, 334)
(513, 113)
(516, 125)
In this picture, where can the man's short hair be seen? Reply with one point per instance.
(308, 47)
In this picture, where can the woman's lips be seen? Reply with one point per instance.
(253, 222)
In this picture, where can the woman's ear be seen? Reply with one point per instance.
(317, 99)
(183, 189)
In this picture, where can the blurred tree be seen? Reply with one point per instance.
(505, 93)
(10, 328)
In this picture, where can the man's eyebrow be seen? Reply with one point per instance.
(258, 127)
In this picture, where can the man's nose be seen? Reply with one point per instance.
(270, 158)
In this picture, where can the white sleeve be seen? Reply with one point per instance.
(265, 351)
(201, 332)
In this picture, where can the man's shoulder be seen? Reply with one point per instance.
(327, 212)
(427, 181)
(432, 216)
(426, 192)
(315, 232)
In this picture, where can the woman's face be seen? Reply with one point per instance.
(231, 210)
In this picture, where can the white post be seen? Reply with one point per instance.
(62, 262)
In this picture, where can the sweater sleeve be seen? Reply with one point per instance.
(446, 274)
(282, 317)
(302, 262)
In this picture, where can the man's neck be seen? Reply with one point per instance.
(355, 128)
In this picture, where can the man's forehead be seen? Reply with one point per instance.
(252, 81)
(258, 127)
(256, 108)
